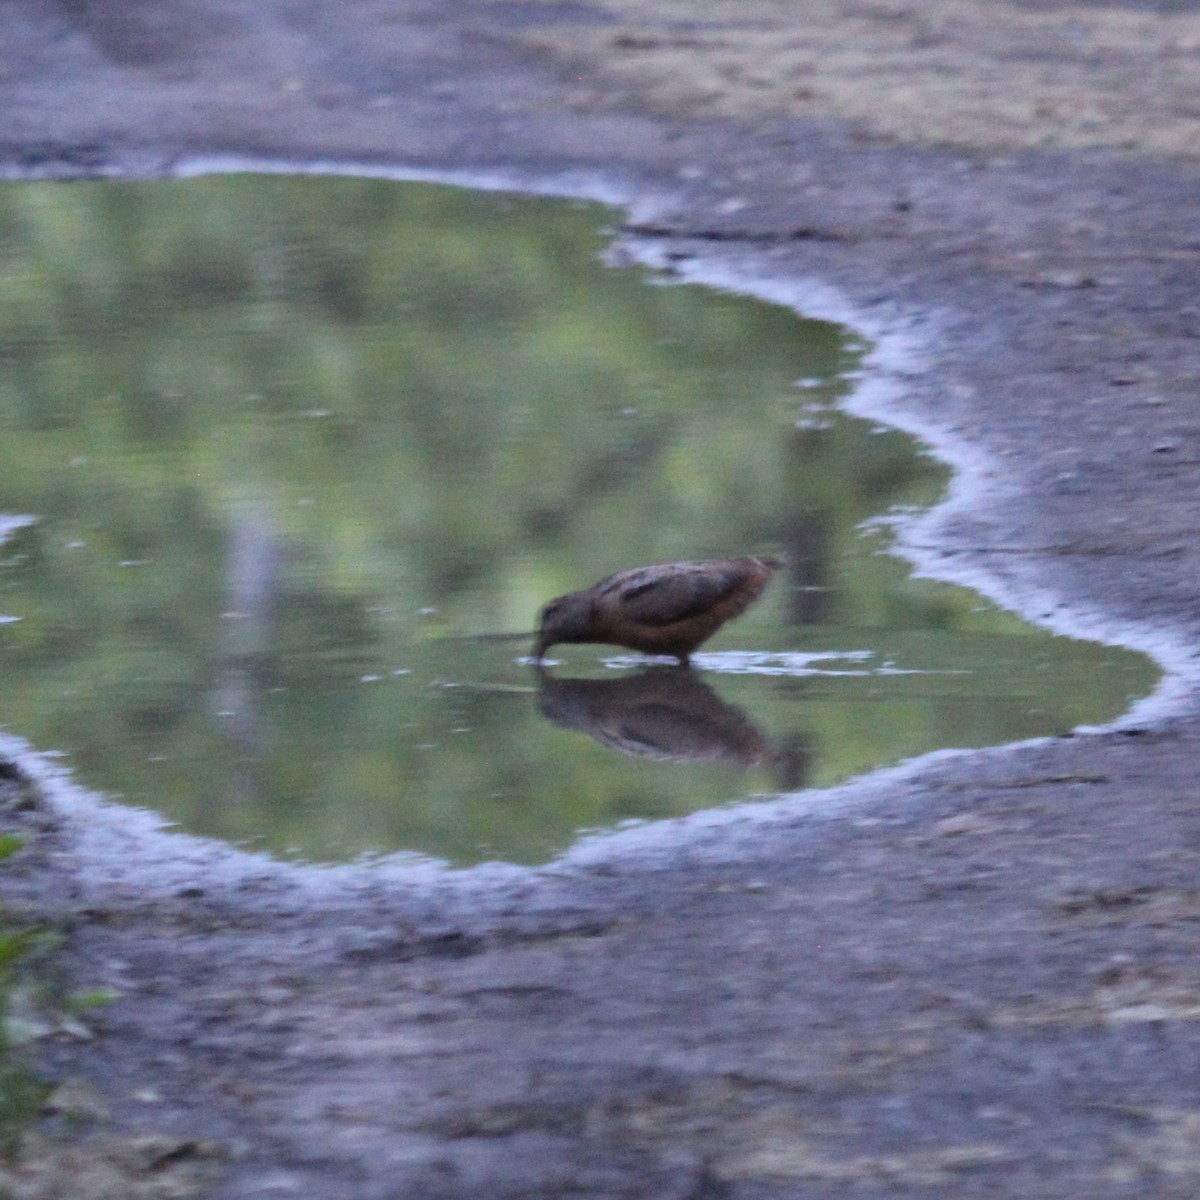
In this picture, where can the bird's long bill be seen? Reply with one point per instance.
(520, 636)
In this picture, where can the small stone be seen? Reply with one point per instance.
(1066, 280)
(76, 1097)
(961, 824)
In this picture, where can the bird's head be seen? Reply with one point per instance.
(564, 619)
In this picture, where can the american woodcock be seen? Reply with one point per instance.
(666, 608)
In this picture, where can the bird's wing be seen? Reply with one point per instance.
(664, 596)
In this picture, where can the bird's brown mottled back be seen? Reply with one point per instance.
(665, 608)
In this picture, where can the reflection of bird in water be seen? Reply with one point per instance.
(665, 714)
(668, 608)
(669, 715)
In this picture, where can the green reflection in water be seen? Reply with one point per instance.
(290, 446)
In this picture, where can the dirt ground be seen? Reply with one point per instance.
(982, 979)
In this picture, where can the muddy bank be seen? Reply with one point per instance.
(979, 979)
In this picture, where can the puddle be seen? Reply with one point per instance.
(286, 462)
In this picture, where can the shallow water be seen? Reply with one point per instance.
(291, 457)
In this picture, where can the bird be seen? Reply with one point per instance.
(665, 608)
